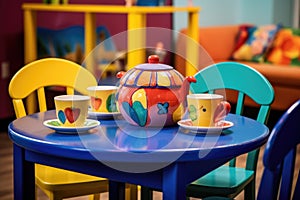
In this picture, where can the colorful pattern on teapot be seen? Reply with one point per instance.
(144, 107)
(142, 78)
(152, 94)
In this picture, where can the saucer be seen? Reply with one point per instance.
(55, 125)
(187, 124)
(103, 115)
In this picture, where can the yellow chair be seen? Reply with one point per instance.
(35, 76)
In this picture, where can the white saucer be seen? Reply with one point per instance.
(187, 124)
(103, 115)
(55, 125)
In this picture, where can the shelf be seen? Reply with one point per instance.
(136, 21)
(107, 8)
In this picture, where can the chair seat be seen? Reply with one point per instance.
(224, 181)
(54, 179)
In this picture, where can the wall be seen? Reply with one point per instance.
(220, 12)
(284, 12)
(11, 50)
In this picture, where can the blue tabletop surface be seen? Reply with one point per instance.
(116, 140)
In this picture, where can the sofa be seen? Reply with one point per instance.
(219, 42)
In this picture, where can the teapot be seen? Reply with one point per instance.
(152, 94)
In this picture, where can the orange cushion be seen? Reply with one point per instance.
(286, 47)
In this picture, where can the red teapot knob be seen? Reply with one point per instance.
(153, 59)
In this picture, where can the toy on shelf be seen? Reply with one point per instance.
(68, 43)
(106, 56)
(160, 51)
(55, 1)
(145, 2)
(130, 2)
(62, 43)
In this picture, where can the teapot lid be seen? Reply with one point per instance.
(152, 74)
(153, 65)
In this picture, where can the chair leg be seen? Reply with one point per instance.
(94, 197)
(52, 196)
(146, 193)
(133, 190)
(249, 193)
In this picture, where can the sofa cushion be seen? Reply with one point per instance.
(242, 35)
(256, 46)
(284, 78)
(285, 48)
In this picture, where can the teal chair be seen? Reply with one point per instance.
(229, 180)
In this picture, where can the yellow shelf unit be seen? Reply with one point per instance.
(136, 20)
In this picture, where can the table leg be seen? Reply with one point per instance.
(146, 193)
(173, 185)
(116, 190)
(24, 178)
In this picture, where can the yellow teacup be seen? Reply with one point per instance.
(103, 98)
(207, 109)
(71, 110)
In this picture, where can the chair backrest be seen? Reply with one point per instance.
(279, 158)
(37, 75)
(247, 82)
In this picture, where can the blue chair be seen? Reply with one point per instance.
(230, 180)
(279, 158)
(278, 179)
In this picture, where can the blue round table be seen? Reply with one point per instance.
(165, 159)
